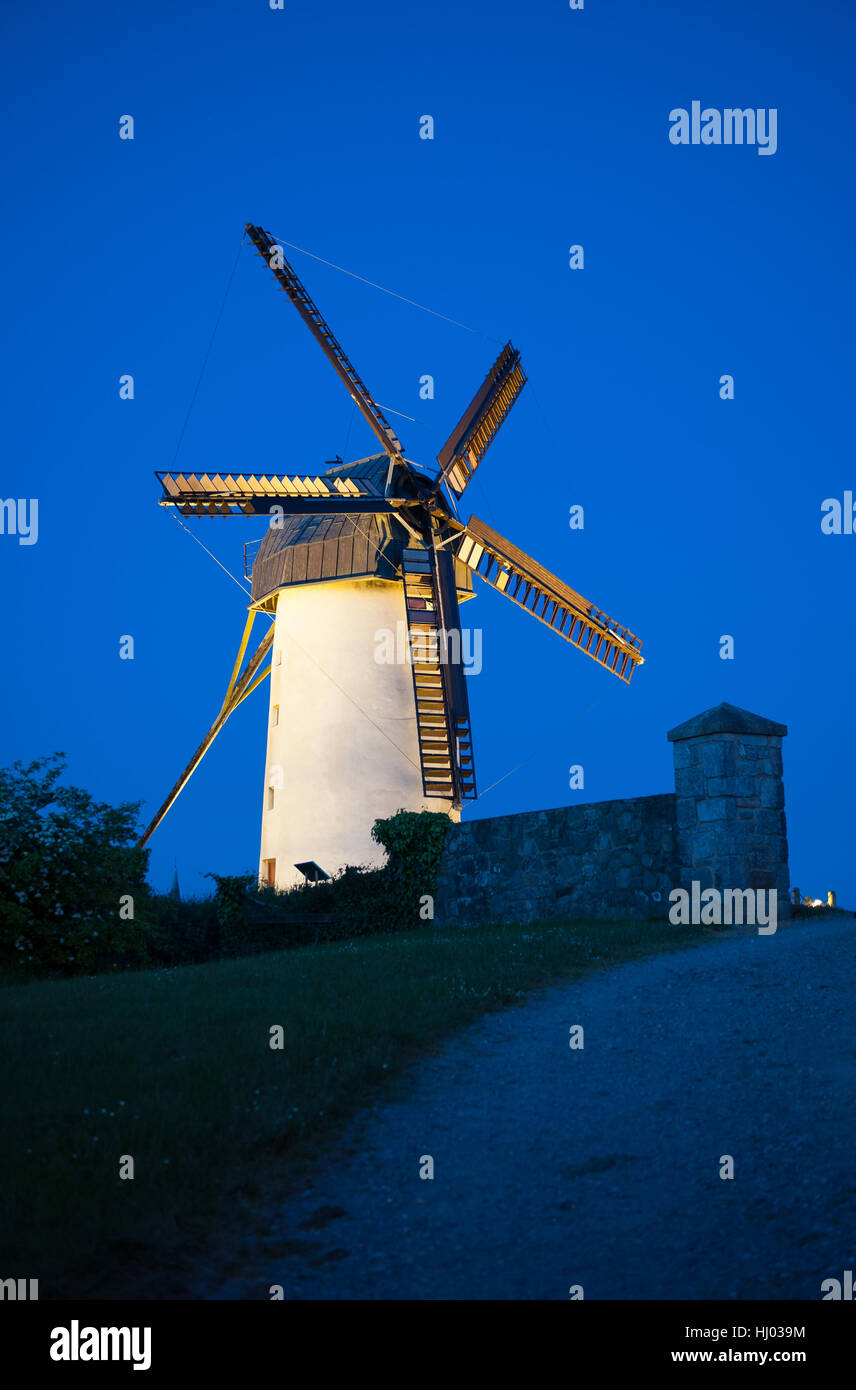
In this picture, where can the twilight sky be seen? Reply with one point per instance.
(551, 126)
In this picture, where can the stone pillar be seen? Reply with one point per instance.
(731, 802)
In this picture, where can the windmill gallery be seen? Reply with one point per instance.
(361, 547)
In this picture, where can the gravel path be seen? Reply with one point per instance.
(555, 1167)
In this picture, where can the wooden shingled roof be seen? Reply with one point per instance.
(308, 548)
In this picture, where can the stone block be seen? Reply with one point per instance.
(718, 758)
(702, 874)
(732, 873)
(689, 781)
(754, 756)
(687, 754)
(769, 822)
(748, 789)
(748, 755)
(778, 846)
(703, 844)
(772, 793)
(744, 786)
(717, 808)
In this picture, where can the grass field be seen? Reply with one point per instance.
(175, 1069)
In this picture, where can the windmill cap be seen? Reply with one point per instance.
(727, 719)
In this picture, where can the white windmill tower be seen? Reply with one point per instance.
(354, 559)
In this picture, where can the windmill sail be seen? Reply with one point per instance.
(216, 494)
(472, 436)
(324, 336)
(548, 598)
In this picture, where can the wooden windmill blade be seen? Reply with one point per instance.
(229, 494)
(553, 602)
(469, 441)
(290, 282)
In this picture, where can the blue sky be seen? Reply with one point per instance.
(702, 517)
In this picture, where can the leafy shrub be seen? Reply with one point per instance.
(414, 842)
(177, 931)
(356, 902)
(66, 861)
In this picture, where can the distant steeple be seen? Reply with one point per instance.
(175, 891)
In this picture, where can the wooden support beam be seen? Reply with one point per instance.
(238, 691)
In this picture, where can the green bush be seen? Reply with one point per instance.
(66, 863)
(414, 842)
(357, 901)
(69, 866)
(177, 931)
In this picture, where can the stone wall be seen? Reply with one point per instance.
(606, 859)
(723, 827)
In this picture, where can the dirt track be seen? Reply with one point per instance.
(556, 1167)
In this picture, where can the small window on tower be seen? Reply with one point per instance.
(270, 797)
(269, 872)
(275, 715)
(277, 659)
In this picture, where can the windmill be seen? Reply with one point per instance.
(371, 547)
